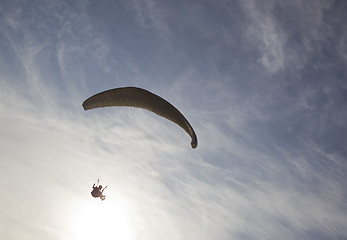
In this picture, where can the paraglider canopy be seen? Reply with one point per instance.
(141, 98)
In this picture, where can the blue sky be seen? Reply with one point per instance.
(263, 83)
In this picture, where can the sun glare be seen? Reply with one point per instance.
(103, 220)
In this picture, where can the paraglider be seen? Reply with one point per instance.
(141, 98)
(137, 98)
(98, 191)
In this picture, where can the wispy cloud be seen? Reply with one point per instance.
(282, 48)
(270, 161)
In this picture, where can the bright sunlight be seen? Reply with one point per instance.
(103, 220)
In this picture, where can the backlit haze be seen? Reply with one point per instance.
(262, 82)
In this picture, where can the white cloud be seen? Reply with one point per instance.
(151, 15)
(342, 48)
(270, 31)
(266, 35)
(246, 179)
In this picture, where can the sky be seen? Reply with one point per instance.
(263, 84)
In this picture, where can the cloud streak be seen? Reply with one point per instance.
(253, 79)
